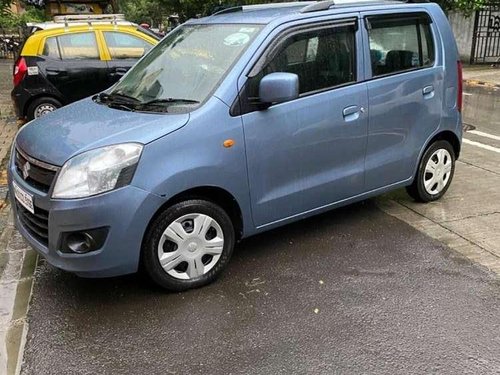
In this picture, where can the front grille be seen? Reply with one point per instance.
(37, 174)
(36, 224)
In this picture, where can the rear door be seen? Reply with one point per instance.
(124, 50)
(405, 91)
(74, 65)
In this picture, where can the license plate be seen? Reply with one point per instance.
(25, 199)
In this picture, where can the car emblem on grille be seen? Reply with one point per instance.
(26, 170)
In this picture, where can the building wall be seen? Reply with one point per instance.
(16, 7)
(463, 28)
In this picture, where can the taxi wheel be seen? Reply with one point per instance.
(42, 106)
(188, 245)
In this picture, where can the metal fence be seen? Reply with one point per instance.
(486, 37)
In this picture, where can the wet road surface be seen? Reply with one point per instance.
(351, 291)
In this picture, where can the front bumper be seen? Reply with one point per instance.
(126, 212)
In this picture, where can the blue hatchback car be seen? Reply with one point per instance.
(238, 123)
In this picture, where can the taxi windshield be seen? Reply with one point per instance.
(186, 67)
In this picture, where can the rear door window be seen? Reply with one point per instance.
(125, 46)
(78, 46)
(399, 44)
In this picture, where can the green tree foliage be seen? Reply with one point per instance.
(9, 20)
(193, 8)
(5, 8)
(467, 7)
(143, 11)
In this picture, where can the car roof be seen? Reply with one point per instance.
(267, 13)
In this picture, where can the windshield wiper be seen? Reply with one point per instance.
(169, 101)
(117, 97)
(123, 106)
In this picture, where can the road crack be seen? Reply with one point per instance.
(476, 166)
(471, 217)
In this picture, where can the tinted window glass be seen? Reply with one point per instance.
(125, 46)
(78, 46)
(51, 49)
(399, 44)
(321, 58)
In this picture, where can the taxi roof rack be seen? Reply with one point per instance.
(89, 18)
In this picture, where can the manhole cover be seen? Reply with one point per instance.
(469, 127)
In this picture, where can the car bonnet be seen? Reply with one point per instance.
(85, 125)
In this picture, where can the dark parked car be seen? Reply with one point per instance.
(67, 62)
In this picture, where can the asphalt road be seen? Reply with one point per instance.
(349, 292)
(352, 291)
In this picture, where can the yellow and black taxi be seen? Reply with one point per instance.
(72, 58)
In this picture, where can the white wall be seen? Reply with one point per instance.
(463, 28)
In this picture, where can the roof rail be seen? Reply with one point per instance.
(319, 6)
(325, 5)
(241, 8)
(228, 10)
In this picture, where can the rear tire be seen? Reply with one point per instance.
(41, 106)
(188, 245)
(435, 173)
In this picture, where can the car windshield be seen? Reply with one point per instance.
(185, 68)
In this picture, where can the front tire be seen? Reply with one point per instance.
(435, 173)
(188, 245)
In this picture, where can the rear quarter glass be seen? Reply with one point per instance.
(31, 46)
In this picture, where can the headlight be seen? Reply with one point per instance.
(98, 171)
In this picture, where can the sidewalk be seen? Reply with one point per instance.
(17, 260)
(483, 75)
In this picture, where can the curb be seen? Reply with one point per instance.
(18, 286)
(462, 246)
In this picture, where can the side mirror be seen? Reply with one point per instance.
(279, 88)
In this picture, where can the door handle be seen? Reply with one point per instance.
(118, 72)
(352, 112)
(56, 72)
(427, 90)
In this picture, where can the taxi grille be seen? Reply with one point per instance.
(36, 224)
(36, 174)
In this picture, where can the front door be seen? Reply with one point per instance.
(309, 152)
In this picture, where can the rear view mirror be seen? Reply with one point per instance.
(279, 88)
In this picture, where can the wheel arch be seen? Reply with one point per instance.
(445, 135)
(38, 96)
(448, 136)
(214, 194)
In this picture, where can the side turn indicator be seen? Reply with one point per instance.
(228, 143)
